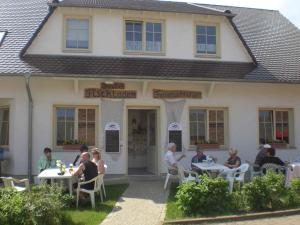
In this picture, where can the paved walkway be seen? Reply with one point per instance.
(143, 203)
(286, 220)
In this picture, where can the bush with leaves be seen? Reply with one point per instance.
(266, 192)
(210, 196)
(43, 206)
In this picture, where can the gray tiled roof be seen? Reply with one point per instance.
(146, 5)
(137, 67)
(273, 40)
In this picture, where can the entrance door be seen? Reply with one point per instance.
(142, 143)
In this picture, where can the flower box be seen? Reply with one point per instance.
(209, 146)
(279, 145)
(71, 147)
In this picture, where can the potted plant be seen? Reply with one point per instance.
(207, 144)
(72, 144)
(278, 144)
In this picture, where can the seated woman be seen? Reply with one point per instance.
(233, 161)
(98, 161)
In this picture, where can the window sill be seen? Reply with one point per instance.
(126, 52)
(74, 50)
(221, 148)
(208, 56)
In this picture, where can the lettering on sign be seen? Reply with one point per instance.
(108, 93)
(157, 93)
(115, 85)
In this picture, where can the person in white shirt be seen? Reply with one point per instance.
(171, 160)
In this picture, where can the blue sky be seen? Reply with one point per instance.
(289, 8)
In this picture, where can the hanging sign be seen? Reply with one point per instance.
(175, 135)
(112, 137)
(109, 93)
(157, 93)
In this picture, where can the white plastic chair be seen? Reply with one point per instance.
(183, 178)
(254, 170)
(103, 186)
(239, 175)
(97, 188)
(169, 174)
(10, 182)
(274, 167)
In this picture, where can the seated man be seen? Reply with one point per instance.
(262, 154)
(171, 160)
(198, 158)
(46, 161)
(271, 158)
(233, 161)
(88, 169)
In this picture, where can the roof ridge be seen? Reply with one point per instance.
(232, 6)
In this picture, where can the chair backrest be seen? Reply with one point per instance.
(271, 166)
(181, 173)
(241, 171)
(98, 182)
(8, 182)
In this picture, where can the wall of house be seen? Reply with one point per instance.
(107, 34)
(242, 101)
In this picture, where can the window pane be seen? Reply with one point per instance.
(201, 39)
(157, 37)
(65, 124)
(77, 34)
(202, 115)
(129, 36)
(213, 132)
(220, 133)
(60, 133)
(157, 27)
(91, 133)
(129, 26)
(285, 117)
(82, 134)
(138, 27)
(201, 30)
(220, 116)
(82, 115)
(278, 116)
(91, 115)
(149, 27)
(4, 126)
(212, 115)
(201, 131)
(193, 115)
(211, 30)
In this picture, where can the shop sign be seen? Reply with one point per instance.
(157, 93)
(109, 93)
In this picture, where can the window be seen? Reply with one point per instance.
(75, 123)
(206, 40)
(275, 125)
(2, 36)
(4, 126)
(144, 36)
(77, 34)
(208, 125)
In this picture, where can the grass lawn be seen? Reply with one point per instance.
(172, 211)
(85, 215)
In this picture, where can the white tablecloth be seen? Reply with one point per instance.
(52, 174)
(210, 166)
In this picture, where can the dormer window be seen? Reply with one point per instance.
(143, 37)
(77, 34)
(207, 40)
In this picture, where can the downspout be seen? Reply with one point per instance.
(30, 116)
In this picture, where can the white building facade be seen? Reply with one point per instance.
(111, 77)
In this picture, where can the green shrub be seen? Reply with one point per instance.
(266, 192)
(42, 206)
(210, 196)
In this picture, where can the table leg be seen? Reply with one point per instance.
(52, 181)
(70, 186)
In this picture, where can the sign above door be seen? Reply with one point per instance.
(172, 94)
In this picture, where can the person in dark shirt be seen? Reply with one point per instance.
(271, 158)
(83, 148)
(233, 161)
(198, 158)
(88, 169)
(262, 154)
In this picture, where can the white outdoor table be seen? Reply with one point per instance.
(210, 166)
(52, 174)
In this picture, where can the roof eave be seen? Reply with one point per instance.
(230, 15)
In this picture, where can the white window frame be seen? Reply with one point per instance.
(7, 108)
(208, 109)
(290, 123)
(76, 107)
(79, 50)
(218, 41)
(144, 51)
